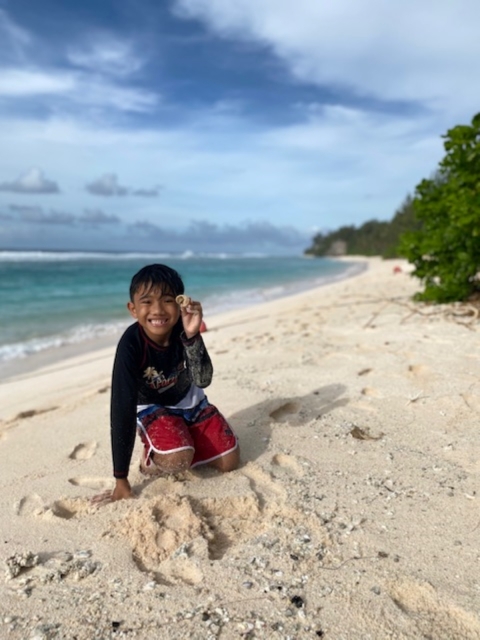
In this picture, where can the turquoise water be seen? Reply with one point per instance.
(53, 299)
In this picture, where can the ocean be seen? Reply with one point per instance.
(53, 299)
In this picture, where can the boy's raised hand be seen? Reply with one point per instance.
(192, 316)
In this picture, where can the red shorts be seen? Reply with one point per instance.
(209, 434)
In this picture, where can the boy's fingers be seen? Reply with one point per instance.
(102, 498)
(194, 308)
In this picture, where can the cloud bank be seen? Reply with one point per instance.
(107, 185)
(31, 182)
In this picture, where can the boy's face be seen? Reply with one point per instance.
(156, 312)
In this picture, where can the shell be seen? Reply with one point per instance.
(183, 301)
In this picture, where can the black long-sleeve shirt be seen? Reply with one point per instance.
(145, 373)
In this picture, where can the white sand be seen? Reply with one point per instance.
(354, 515)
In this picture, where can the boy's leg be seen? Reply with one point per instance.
(173, 462)
(169, 447)
(214, 440)
(227, 462)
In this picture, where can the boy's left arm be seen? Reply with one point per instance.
(199, 362)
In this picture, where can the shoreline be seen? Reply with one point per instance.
(17, 368)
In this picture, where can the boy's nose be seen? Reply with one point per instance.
(158, 306)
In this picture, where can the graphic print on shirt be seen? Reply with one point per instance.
(159, 381)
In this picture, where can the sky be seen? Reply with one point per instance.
(222, 125)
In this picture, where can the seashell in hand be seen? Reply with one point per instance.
(183, 301)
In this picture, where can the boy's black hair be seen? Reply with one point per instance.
(155, 276)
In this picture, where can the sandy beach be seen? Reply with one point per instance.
(354, 514)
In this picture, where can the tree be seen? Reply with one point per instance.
(372, 238)
(445, 251)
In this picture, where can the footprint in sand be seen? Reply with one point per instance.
(83, 451)
(418, 369)
(34, 505)
(263, 485)
(289, 463)
(30, 413)
(62, 509)
(68, 508)
(31, 505)
(434, 617)
(282, 412)
(91, 483)
(371, 392)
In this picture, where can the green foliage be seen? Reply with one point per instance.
(445, 251)
(373, 238)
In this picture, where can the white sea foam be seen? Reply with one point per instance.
(65, 256)
(79, 334)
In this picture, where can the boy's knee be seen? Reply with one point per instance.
(174, 462)
(228, 462)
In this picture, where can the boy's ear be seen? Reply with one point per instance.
(132, 310)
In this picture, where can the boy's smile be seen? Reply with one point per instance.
(156, 312)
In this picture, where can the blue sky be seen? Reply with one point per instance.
(222, 125)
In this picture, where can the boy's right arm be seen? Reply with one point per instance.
(123, 413)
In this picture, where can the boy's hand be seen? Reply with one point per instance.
(122, 491)
(192, 316)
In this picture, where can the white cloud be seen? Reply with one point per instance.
(99, 82)
(104, 53)
(147, 193)
(77, 89)
(97, 217)
(38, 216)
(98, 92)
(12, 34)
(397, 50)
(106, 185)
(24, 82)
(32, 181)
(102, 60)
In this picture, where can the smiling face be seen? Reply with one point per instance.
(156, 311)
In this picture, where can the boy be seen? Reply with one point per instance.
(161, 368)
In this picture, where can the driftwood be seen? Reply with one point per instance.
(463, 313)
(466, 314)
